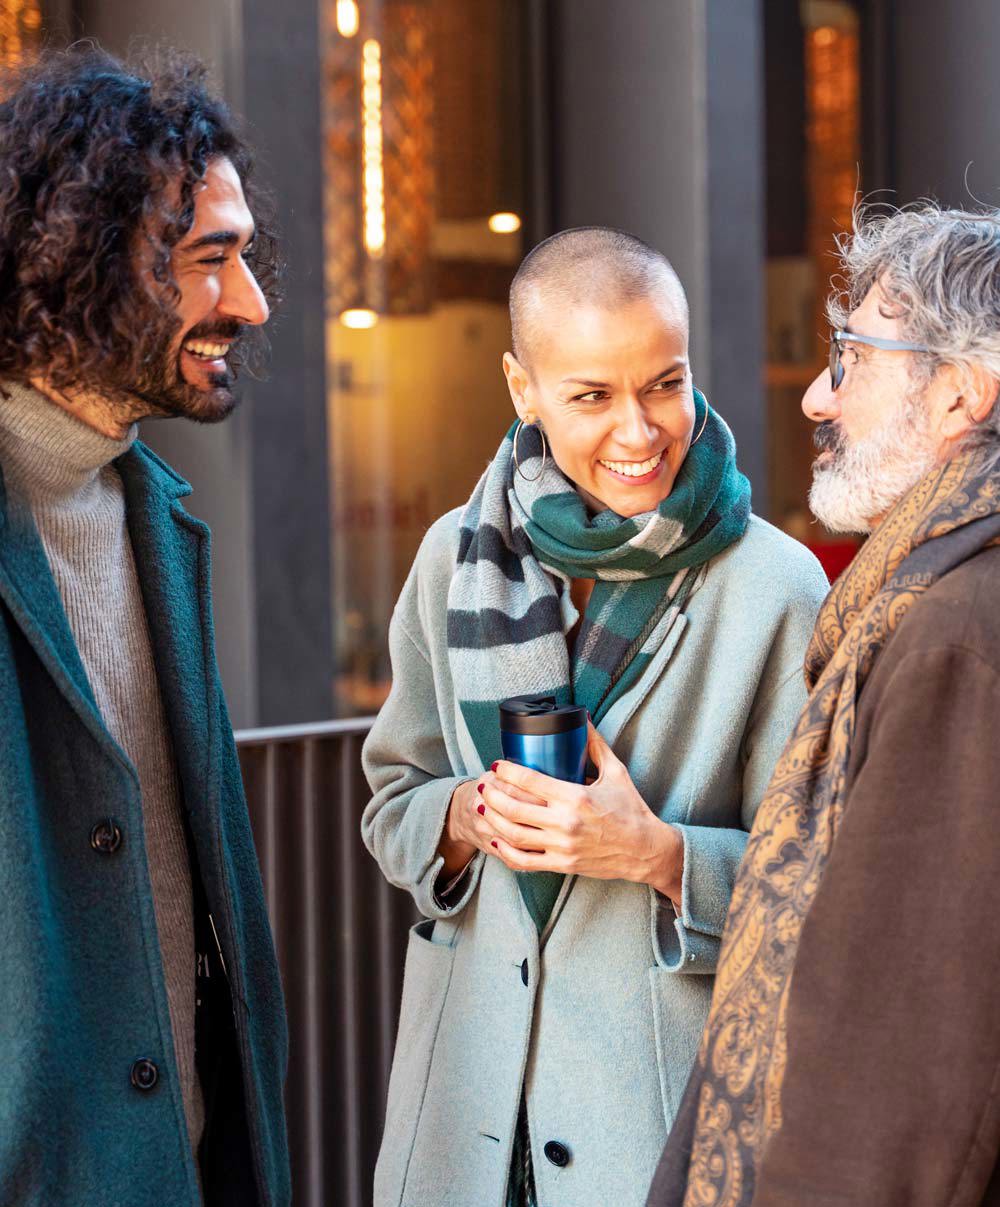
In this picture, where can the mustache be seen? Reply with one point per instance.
(221, 329)
(827, 437)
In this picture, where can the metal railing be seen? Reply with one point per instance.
(340, 932)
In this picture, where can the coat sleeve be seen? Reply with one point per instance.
(891, 1092)
(691, 938)
(412, 779)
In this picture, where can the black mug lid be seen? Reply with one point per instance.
(539, 715)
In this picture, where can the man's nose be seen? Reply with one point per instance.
(242, 298)
(820, 401)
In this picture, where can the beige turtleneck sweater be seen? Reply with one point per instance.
(61, 469)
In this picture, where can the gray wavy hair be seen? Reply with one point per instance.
(940, 272)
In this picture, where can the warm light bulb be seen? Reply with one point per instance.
(359, 320)
(348, 18)
(373, 174)
(825, 35)
(504, 223)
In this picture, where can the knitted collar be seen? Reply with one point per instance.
(46, 451)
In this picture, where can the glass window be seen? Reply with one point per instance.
(424, 207)
(813, 176)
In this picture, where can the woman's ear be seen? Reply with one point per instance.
(519, 384)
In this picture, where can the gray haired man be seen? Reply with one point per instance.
(852, 1052)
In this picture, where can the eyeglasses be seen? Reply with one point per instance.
(839, 338)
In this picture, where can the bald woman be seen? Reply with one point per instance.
(555, 994)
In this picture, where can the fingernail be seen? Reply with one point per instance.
(481, 809)
(480, 787)
(495, 766)
(493, 844)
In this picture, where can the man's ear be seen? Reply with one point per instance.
(973, 392)
(519, 384)
(981, 393)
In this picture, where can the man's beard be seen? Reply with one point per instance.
(854, 488)
(165, 391)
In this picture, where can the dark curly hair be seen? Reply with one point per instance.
(91, 155)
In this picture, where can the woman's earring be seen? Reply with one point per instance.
(545, 453)
(704, 421)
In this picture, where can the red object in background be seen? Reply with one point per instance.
(834, 556)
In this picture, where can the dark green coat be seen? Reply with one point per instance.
(82, 994)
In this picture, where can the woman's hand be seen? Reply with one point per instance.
(465, 829)
(604, 830)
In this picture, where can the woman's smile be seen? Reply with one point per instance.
(634, 473)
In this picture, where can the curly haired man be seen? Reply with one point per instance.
(142, 1029)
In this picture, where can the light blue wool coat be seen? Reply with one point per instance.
(604, 1032)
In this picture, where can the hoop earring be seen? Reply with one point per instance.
(704, 421)
(545, 452)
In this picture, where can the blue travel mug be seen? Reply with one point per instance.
(536, 733)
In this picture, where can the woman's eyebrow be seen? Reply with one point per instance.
(681, 363)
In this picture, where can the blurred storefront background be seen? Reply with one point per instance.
(417, 149)
(426, 212)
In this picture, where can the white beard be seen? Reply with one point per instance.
(857, 484)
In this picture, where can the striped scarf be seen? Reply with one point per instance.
(520, 537)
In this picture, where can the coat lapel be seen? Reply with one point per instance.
(667, 633)
(30, 593)
(171, 550)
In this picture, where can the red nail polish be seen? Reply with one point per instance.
(480, 787)
(493, 844)
(481, 809)
(495, 766)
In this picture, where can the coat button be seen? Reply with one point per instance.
(106, 836)
(557, 1153)
(524, 973)
(145, 1074)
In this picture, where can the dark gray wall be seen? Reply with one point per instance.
(947, 100)
(260, 479)
(290, 453)
(215, 460)
(210, 30)
(734, 99)
(656, 127)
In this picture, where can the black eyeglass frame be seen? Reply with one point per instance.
(839, 338)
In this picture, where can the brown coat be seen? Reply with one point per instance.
(891, 1097)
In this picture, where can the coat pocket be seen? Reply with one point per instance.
(426, 977)
(680, 1010)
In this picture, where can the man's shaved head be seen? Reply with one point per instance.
(595, 266)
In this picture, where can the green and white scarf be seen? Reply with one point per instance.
(520, 537)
